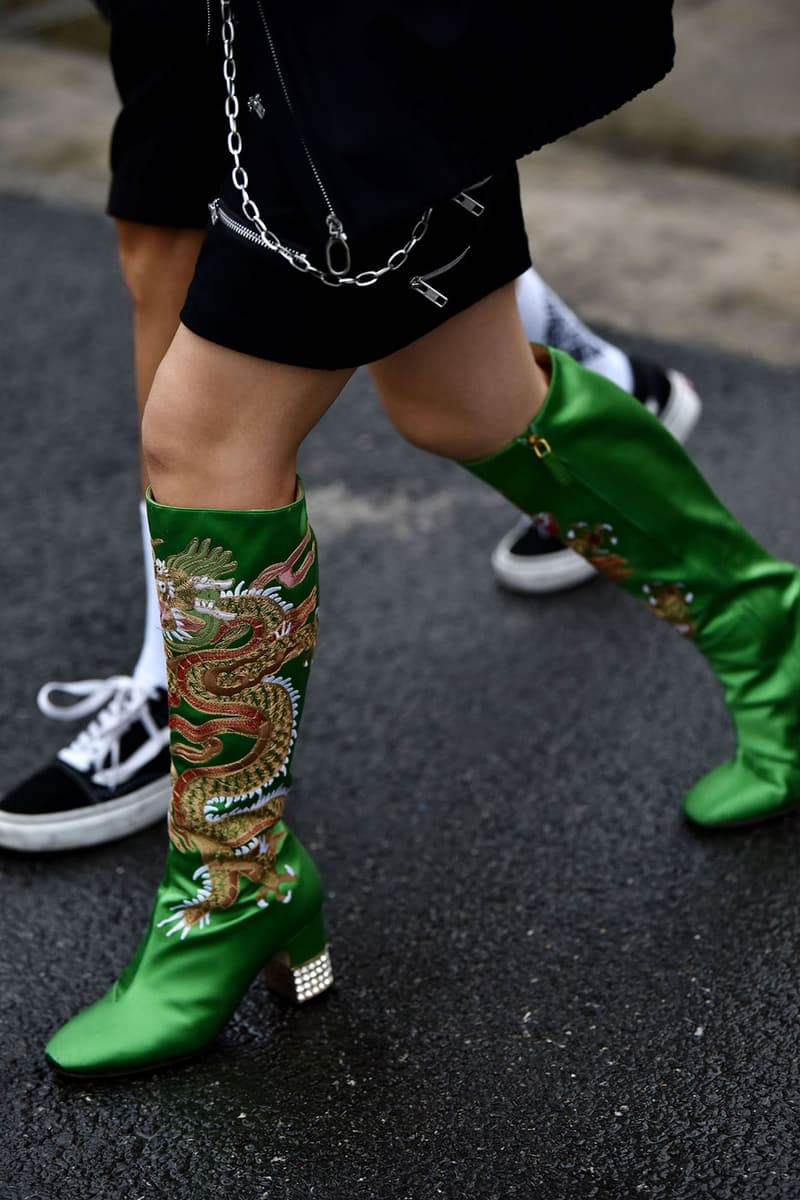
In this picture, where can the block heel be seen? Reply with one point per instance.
(302, 970)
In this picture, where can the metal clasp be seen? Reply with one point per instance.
(428, 291)
(256, 105)
(337, 242)
(541, 446)
(472, 206)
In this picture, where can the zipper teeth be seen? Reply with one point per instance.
(208, 21)
(237, 227)
(244, 231)
(290, 106)
(446, 267)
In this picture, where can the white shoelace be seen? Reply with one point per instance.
(121, 701)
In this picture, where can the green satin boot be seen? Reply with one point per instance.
(603, 475)
(238, 594)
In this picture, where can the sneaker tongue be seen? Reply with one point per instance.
(120, 727)
(99, 744)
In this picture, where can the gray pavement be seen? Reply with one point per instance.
(549, 986)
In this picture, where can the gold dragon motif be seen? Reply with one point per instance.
(233, 713)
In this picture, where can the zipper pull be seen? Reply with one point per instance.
(470, 204)
(256, 104)
(430, 293)
(213, 211)
(544, 451)
(337, 241)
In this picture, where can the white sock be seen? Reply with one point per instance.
(547, 319)
(151, 668)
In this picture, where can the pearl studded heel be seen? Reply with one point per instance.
(302, 970)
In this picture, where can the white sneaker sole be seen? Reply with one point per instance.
(89, 826)
(683, 408)
(563, 569)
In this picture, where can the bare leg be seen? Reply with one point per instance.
(157, 266)
(467, 388)
(106, 784)
(222, 429)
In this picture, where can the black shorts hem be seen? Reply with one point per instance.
(234, 337)
(248, 298)
(124, 205)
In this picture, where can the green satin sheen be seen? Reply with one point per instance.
(239, 887)
(175, 996)
(625, 494)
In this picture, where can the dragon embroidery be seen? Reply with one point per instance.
(598, 545)
(670, 602)
(228, 649)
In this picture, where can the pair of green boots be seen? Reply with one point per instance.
(238, 595)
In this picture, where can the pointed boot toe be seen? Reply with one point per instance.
(742, 792)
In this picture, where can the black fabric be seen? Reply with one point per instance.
(533, 543)
(168, 150)
(378, 109)
(650, 382)
(58, 787)
(52, 789)
(403, 102)
(399, 103)
(249, 299)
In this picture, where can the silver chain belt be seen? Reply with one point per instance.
(270, 240)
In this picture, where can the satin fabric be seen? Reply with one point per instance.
(614, 485)
(238, 594)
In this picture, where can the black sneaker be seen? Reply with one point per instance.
(112, 780)
(529, 558)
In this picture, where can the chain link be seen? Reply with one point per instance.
(240, 180)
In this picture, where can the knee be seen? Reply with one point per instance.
(169, 428)
(157, 263)
(434, 428)
(184, 432)
(423, 430)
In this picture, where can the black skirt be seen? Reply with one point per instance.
(249, 298)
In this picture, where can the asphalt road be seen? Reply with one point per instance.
(549, 986)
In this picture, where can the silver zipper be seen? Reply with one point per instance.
(470, 204)
(218, 213)
(422, 284)
(256, 105)
(208, 22)
(473, 206)
(337, 239)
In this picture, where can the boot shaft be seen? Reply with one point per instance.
(600, 472)
(238, 598)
